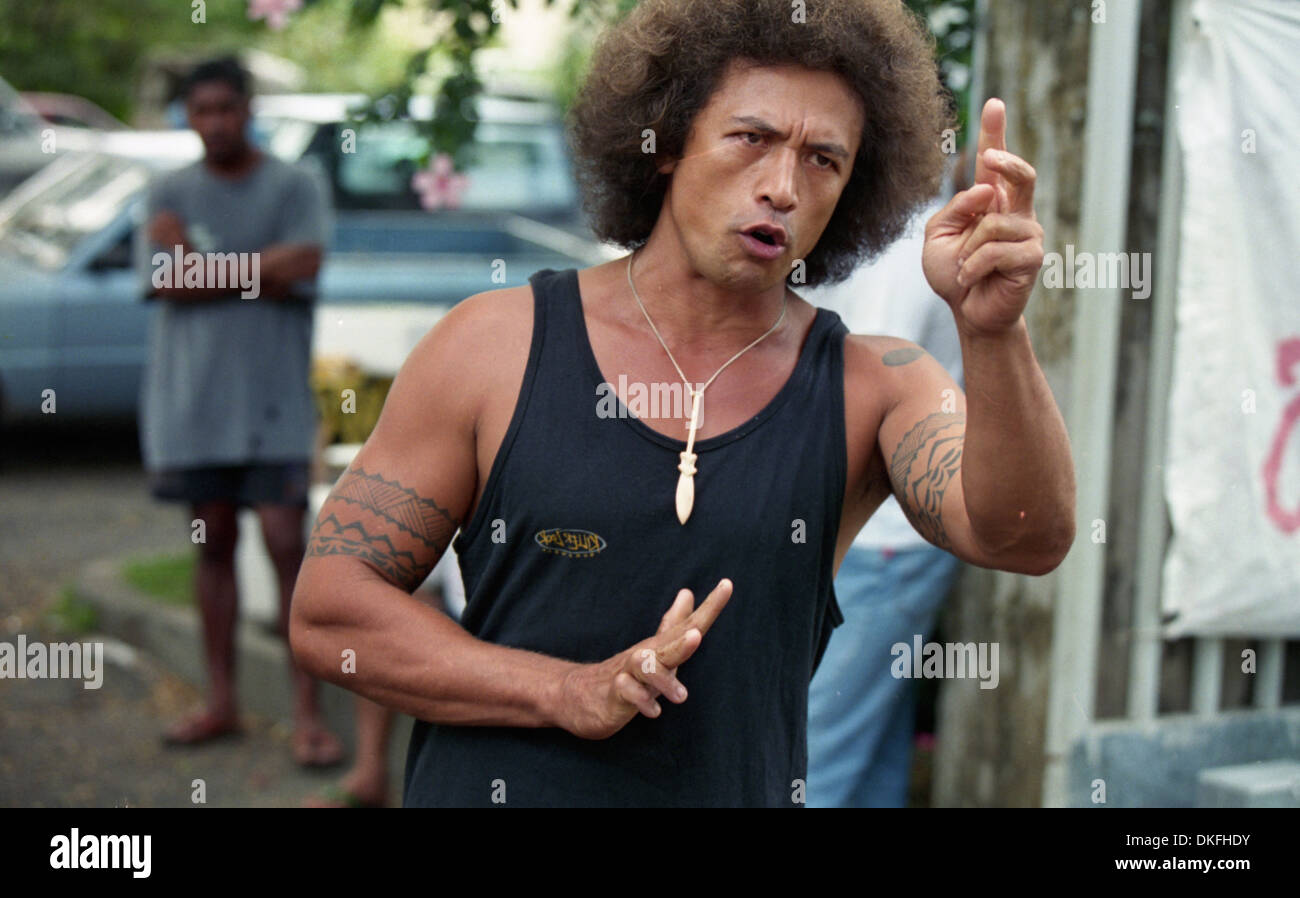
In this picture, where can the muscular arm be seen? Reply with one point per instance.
(964, 466)
(1017, 472)
(998, 487)
(385, 525)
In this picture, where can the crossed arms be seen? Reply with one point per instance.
(282, 265)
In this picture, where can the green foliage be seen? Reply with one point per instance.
(364, 13)
(167, 578)
(471, 26)
(340, 53)
(575, 58)
(952, 22)
(95, 49)
(72, 614)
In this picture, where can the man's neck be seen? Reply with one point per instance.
(235, 167)
(688, 308)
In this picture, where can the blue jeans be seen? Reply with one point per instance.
(860, 717)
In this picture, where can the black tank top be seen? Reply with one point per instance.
(575, 551)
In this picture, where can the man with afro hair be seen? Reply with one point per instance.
(614, 441)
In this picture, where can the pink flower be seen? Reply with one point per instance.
(276, 12)
(439, 185)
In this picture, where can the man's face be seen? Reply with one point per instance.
(219, 114)
(773, 146)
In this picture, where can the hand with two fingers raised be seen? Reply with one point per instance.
(598, 700)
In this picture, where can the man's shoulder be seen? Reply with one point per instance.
(877, 350)
(481, 333)
(878, 355)
(877, 365)
(472, 359)
(503, 309)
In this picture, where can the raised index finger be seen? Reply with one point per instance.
(993, 135)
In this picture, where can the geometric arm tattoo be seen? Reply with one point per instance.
(924, 464)
(392, 528)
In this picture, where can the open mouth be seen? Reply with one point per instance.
(766, 235)
(765, 242)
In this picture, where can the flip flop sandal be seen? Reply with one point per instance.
(338, 797)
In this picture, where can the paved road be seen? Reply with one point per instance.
(68, 496)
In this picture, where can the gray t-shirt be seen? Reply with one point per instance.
(227, 380)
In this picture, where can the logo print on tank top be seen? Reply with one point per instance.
(571, 543)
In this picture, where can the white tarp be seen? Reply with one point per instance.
(1232, 474)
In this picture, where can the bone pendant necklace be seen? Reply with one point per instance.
(686, 480)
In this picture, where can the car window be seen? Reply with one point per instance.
(381, 165)
(81, 197)
(14, 122)
(286, 138)
(118, 256)
(510, 167)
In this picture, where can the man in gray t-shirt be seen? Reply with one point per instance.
(230, 248)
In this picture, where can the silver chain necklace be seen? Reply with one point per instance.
(686, 481)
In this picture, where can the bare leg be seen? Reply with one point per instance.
(368, 779)
(218, 600)
(366, 784)
(314, 745)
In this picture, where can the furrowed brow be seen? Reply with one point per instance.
(764, 127)
(830, 149)
(757, 124)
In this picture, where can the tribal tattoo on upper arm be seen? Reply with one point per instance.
(396, 531)
(927, 459)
